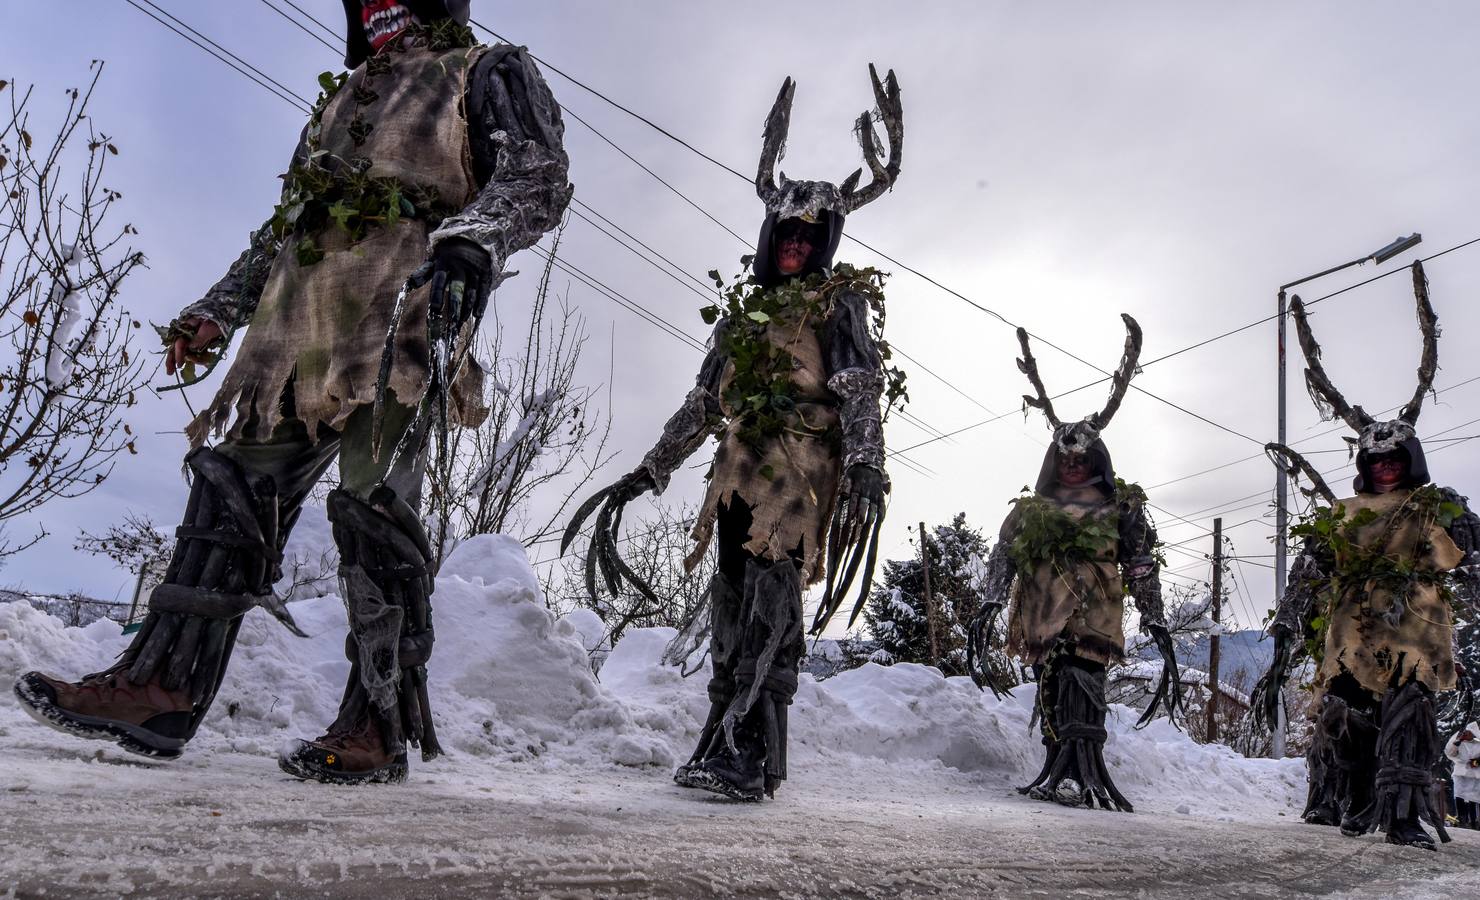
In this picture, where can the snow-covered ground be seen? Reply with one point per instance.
(558, 784)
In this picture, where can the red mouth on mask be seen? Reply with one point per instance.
(383, 20)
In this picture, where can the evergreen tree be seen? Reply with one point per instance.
(896, 612)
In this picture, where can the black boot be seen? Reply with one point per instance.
(386, 578)
(1072, 704)
(152, 701)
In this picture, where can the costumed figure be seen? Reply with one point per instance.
(1369, 599)
(1066, 557)
(434, 158)
(792, 385)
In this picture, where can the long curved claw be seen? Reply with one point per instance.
(278, 608)
(868, 569)
(583, 512)
(1169, 688)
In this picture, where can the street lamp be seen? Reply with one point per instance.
(1282, 515)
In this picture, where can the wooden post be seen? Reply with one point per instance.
(1213, 648)
(929, 597)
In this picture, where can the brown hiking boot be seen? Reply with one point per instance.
(354, 755)
(143, 718)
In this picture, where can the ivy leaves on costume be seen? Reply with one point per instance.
(761, 394)
(1044, 532)
(323, 191)
(1354, 565)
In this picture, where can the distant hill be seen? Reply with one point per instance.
(1248, 650)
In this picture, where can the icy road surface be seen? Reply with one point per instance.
(81, 823)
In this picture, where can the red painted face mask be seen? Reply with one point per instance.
(383, 20)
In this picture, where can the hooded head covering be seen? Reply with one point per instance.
(822, 201)
(1103, 469)
(357, 46)
(764, 265)
(1374, 437)
(1418, 466)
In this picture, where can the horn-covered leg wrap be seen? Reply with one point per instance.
(153, 699)
(1071, 702)
(745, 756)
(1407, 748)
(386, 580)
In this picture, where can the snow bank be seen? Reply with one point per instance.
(514, 685)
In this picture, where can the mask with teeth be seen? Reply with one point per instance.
(383, 20)
(371, 23)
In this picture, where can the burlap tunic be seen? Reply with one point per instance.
(323, 326)
(1083, 602)
(1358, 639)
(791, 481)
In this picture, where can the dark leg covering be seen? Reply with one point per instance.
(759, 651)
(154, 698)
(724, 656)
(1349, 724)
(1071, 699)
(385, 570)
(1341, 761)
(1407, 748)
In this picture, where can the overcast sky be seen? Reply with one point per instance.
(1064, 163)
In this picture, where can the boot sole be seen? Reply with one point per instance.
(307, 770)
(136, 739)
(708, 781)
(1427, 845)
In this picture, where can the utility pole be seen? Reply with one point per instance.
(1213, 648)
(929, 597)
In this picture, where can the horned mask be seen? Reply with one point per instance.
(1079, 437)
(808, 200)
(1373, 436)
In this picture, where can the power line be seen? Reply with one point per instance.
(292, 99)
(277, 87)
(300, 26)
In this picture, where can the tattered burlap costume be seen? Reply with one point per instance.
(1361, 638)
(791, 507)
(1065, 559)
(466, 143)
(1371, 591)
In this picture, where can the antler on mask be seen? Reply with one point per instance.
(882, 175)
(1029, 367)
(1120, 382)
(773, 145)
(1323, 393)
(1428, 324)
(786, 198)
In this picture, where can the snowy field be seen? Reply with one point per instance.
(558, 784)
